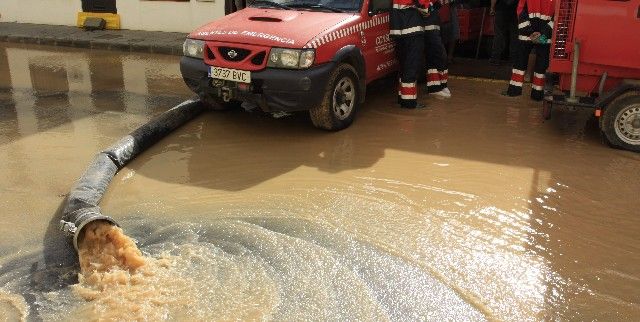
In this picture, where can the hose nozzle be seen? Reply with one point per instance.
(74, 222)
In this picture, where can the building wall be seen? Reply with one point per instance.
(134, 14)
(167, 15)
(51, 12)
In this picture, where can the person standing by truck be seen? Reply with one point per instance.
(435, 53)
(535, 26)
(407, 29)
(505, 26)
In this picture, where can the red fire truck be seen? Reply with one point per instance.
(285, 56)
(596, 53)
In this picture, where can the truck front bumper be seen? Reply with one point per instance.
(271, 89)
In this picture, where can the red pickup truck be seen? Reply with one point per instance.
(293, 55)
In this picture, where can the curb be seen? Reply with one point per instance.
(169, 43)
(95, 44)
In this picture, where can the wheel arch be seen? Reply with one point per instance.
(618, 92)
(352, 55)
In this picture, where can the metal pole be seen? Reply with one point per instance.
(484, 14)
(574, 72)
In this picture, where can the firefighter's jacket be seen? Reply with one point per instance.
(535, 16)
(406, 20)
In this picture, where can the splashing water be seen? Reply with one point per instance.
(119, 283)
(241, 269)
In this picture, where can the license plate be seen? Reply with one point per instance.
(234, 75)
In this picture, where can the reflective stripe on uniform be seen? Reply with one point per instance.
(524, 24)
(406, 31)
(433, 78)
(517, 77)
(539, 16)
(538, 80)
(403, 6)
(444, 75)
(408, 89)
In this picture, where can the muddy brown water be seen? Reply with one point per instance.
(472, 209)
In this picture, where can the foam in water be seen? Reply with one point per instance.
(119, 283)
(241, 269)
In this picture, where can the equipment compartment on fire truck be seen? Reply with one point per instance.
(595, 52)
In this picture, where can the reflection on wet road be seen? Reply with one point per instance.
(472, 209)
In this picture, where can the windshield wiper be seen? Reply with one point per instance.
(315, 6)
(270, 4)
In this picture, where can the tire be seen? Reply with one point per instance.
(340, 102)
(620, 123)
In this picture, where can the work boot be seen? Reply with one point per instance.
(443, 93)
(416, 106)
(512, 93)
(537, 95)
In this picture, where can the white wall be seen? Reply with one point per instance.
(50, 12)
(167, 15)
(134, 14)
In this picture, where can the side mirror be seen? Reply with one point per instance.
(379, 6)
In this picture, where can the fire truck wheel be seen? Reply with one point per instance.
(340, 102)
(621, 123)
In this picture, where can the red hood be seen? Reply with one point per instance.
(270, 27)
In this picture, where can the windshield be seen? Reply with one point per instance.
(315, 5)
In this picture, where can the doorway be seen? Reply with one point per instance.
(102, 6)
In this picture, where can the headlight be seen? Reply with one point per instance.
(291, 58)
(193, 48)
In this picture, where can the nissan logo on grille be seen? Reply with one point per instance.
(232, 54)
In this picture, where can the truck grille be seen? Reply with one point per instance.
(259, 58)
(234, 54)
(564, 28)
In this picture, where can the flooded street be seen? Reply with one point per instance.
(472, 209)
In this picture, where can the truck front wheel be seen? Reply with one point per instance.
(340, 101)
(621, 123)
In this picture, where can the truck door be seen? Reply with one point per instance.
(379, 48)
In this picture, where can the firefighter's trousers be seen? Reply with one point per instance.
(410, 51)
(520, 66)
(435, 59)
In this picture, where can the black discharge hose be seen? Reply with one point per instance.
(82, 203)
